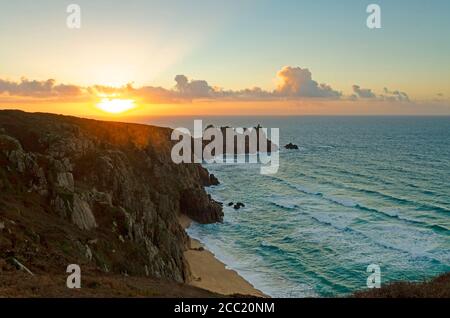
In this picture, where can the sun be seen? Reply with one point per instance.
(116, 105)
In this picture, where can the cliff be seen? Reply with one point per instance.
(103, 195)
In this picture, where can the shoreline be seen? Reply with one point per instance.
(211, 274)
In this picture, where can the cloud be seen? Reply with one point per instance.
(68, 90)
(295, 83)
(193, 88)
(153, 94)
(298, 82)
(394, 96)
(388, 95)
(36, 88)
(254, 93)
(363, 92)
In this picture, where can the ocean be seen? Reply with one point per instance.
(359, 191)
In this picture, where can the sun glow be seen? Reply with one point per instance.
(116, 105)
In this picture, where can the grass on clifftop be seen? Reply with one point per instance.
(438, 287)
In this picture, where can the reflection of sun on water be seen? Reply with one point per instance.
(116, 105)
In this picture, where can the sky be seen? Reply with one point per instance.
(226, 57)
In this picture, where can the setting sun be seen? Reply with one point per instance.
(115, 105)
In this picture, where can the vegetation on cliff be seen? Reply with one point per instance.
(438, 287)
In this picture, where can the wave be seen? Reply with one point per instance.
(348, 203)
(346, 229)
(353, 173)
(286, 206)
(419, 205)
(379, 180)
(379, 242)
(270, 246)
(326, 147)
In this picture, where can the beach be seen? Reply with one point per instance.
(211, 274)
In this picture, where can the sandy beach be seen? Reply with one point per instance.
(211, 274)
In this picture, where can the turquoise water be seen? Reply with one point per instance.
(360, 191)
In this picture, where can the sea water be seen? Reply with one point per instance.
(359, 191)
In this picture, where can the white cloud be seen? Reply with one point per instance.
(298, 82)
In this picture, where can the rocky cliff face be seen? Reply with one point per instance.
(99, 193)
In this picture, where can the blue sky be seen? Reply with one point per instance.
(231, 44)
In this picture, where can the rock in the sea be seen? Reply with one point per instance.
(291, 146)
(239, 205)
(213, 180)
